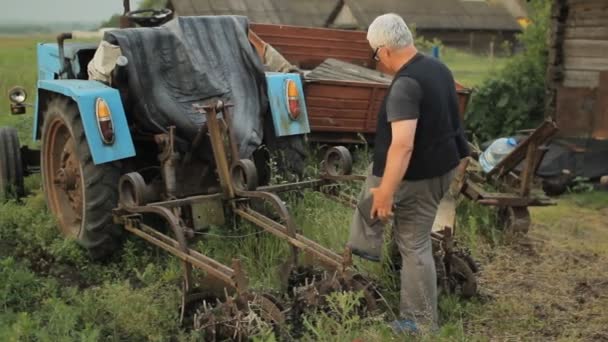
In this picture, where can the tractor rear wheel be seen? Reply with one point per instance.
(11, 166)
(289, 153)
(80, 194)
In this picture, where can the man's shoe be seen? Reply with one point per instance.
(365, 255)
(404, 326)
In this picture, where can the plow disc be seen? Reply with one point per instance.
(241, 316)
(238, 318)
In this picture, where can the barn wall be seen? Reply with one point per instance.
(578, 68)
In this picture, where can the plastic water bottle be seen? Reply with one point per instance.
(496, 152)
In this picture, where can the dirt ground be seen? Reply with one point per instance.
(551, 284)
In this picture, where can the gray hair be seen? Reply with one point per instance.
(389, 30)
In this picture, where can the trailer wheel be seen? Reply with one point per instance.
(11, 166)
(338, 161)
(80, 194)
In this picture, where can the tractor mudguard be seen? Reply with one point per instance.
(85, 94)
(285, 123)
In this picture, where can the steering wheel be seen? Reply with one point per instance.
(150, 17)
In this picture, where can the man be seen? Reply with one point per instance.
(419, 143)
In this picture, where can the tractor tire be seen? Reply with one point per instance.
(289, 153)
(11, 165)
(80, 194)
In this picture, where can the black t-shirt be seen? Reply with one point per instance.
(423, 89)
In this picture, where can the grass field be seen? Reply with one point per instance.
(549, 285)
(18, 67)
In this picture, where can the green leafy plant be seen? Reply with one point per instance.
(514, 98)
(581, 184)
(343, 323)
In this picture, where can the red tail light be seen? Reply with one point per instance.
(293, 99)
(104, 121)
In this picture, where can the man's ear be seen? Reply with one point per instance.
(387, 53)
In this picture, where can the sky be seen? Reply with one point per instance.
(49, 11)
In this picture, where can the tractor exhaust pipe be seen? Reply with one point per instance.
(61, 38)
(124, 22)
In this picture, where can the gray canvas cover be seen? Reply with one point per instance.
(190, 60)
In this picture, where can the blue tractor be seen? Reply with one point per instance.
(173, 120)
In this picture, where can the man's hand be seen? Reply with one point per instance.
(382, 205)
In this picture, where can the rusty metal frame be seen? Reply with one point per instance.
(130, 213)
(516, 190)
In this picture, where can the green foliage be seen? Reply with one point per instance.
(593, 200)
(19, 288)
(146, 4)
(581, 184)
(514, 98)
(113, 21)
(342, 322)
(476, 225)
(22, 29)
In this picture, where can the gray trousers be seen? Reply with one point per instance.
(416, 205)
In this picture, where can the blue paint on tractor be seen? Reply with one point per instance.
(284, 125)
(48, 58)
(48, 61)
(85, 93)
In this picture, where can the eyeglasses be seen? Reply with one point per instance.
(375, 56)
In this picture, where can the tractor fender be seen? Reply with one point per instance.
(85, 94)
(284, 125)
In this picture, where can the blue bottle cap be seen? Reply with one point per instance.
(512, 141)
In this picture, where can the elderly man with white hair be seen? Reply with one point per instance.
(418, 145)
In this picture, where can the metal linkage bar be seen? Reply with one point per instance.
(328, 258)
(311, 184)
(196, 259)
(219, 149)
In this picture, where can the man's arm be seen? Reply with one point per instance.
(399, 154)
(397, 162)
(403, 110)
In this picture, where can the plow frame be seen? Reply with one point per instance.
(238, 181)
(514, 194)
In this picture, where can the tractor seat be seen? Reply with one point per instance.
(187, 62)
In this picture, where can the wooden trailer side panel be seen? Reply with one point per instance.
(344, 107)
(307, 47)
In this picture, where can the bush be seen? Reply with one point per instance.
(514, 98)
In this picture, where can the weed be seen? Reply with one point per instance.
(342, 322)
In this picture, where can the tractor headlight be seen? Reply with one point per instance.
(104, 121)
(17, 95)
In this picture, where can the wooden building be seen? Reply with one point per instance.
(471, 24)
(577, 80)
(300, 13)
(468, 24)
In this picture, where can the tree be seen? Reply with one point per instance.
(514, 99)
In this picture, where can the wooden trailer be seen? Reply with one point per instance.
(340, 111)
